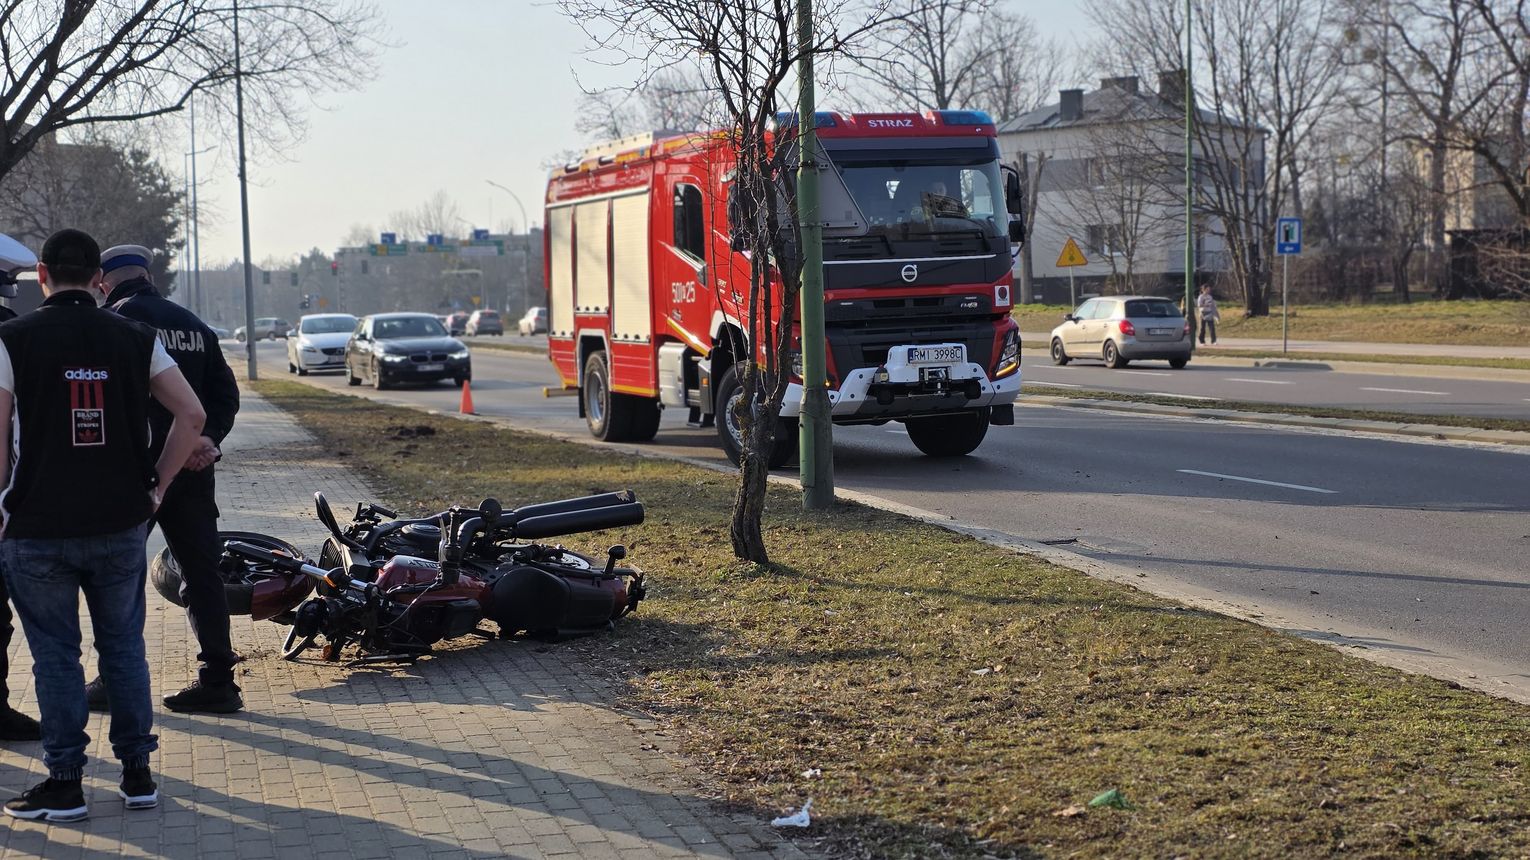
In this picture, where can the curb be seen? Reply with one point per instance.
(1373, 368)
(1435, 432)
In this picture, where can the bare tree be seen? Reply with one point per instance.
(69, 63)
(117, 194)
(943, 54)
(751, 52)
(670, 99)
(437, 214)
(1119, 200)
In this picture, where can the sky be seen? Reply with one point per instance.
(466, 92)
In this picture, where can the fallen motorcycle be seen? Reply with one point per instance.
(376, 588)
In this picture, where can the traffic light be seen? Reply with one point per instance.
(334, 268)
(265, 278)
(305, 302)
(363, 267)
(294, 279)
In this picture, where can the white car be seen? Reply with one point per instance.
(318, 343)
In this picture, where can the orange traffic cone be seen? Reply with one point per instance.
(467, 398)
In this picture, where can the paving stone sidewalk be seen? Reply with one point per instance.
(496, 749)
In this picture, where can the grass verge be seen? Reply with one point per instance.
(1286, 409)
(940, 698)
(1477, 323)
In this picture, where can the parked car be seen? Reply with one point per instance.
(404, 347)
(219, 332)
(319, 343)
(456, 323)
(1119, 329)
(534, 322)
(485, 322)
(270, 328)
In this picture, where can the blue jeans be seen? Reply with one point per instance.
(46, 576)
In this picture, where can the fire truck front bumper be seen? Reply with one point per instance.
(871, 394)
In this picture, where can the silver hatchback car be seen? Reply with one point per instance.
(1119, 329)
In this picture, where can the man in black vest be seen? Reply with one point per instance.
(75, 383)
(14, 725)
(189, 517)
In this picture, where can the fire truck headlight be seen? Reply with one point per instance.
(1009, 356)
(796, 363)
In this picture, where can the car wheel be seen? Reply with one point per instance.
(239, 337)
(379, 381)
(271, 336)
(351, 378)
(301, 370)
(1059, 355)
(1112, 355)
(1178, 363)
(955, 435)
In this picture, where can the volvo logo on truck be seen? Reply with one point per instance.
(910, 273)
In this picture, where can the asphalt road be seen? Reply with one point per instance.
(1414, 548)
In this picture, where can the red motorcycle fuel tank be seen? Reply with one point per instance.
(272, 597)
(412, 570)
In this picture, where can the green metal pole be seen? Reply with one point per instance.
(816, 456)
(1189, 96)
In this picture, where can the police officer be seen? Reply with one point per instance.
(189, 516)
(14, 725)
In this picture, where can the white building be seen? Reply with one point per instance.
(1112, 179)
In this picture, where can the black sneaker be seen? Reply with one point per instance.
(206, 699)
(138, 790)
(53, 800)
(95, 696)
(16, 726)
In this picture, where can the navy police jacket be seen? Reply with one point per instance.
(195, 350)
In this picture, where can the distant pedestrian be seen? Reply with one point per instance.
(1206, 306)
(14, 725)
(75, 383)
(189, 517)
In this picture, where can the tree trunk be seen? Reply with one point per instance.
(749, 506)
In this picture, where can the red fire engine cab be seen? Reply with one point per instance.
(645, 292)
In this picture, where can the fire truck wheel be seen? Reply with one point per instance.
(611, 417)
(729, 390)
(953, 435)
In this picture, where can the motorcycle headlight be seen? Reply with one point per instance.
(460, 355)
(1009, 356)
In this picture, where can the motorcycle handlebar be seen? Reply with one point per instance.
(545, 519)
(287, 563)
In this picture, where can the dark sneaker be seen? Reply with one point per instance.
(206, 699)
(53, 800)
(138, 790)
(95, 696)
(16, 726)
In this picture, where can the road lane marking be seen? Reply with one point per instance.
(1147, 372)
(1180, 396)
(1056, 384)
(1408, 391)
(1258, 381)
(1256, 481)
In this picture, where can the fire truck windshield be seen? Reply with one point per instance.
(934, 196)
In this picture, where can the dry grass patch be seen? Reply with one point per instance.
(955, 697)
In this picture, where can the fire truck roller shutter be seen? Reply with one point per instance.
(592, 275)
(631, 314)
(560, 263)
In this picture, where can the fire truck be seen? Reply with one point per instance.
(646, 293)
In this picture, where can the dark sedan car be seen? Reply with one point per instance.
(387, 349)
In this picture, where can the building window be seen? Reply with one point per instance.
(1104, 239)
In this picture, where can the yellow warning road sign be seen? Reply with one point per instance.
(1071, 255)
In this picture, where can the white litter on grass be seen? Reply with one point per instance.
(812, 773)
(800, 819)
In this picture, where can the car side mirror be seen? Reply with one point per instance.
(1069, 318)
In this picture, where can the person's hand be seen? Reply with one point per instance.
(205, 455)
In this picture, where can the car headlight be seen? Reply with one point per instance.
(460, 355)
(797, 363)
(308, 347)
(394, 359)
(1009, 356)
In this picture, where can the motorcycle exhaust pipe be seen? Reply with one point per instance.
(573, 522)
(563, 506)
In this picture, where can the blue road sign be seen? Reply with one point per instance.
(480, 234)
(389, 238)
(1288, 236)
(435, 239)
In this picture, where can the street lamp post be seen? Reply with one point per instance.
(525, 249)
(244, 209)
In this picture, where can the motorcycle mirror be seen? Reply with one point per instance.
(326, 516)
(613, 555)
(490, 510)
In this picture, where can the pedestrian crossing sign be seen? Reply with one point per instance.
(1071, 255)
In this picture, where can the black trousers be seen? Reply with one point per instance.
(7, 629)
(188, 518)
